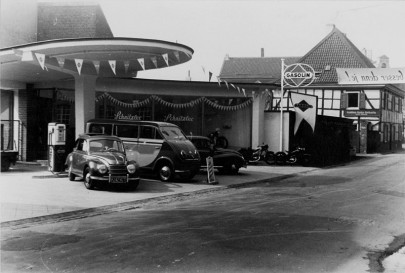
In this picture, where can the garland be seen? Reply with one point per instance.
(178, 105)
(63, 97)
(175, 105)
(124, 104)
(228, 108)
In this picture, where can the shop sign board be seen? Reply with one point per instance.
(362, 113)
(120, 116)
(370, 75)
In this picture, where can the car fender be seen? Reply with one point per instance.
(163, 158)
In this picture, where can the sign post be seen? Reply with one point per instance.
(294, 75)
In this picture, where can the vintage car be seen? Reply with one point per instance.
(100, 160)
(226, 161)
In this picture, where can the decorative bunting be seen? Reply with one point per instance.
(126, 65)
(226, 83)
(27, 56)
(219, 81)
(61, 61)
(79, 64)
(177, 55)
(166, 58)
(41, 59)
(113, 65)
(243, 90)
(142, 62)
(154, 60)
(97, 66)
(190, 104)
(233, 85)
(203, 69)
(209, 76)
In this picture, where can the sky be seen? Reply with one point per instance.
(241, 28)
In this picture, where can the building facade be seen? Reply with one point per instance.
(376, 110)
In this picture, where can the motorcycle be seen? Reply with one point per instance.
(260, 153)
(296, 156)
(218, 140)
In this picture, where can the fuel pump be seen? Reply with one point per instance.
(56, 146)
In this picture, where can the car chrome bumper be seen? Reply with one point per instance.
(106, 178)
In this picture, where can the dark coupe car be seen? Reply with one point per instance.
(101, 160)
(227, 161)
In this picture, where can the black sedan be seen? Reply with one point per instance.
(226, 161)
(100, 160)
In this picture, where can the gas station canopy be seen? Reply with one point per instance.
(106, 57)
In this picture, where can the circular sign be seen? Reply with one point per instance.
(298, 74)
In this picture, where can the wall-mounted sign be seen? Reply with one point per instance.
(370, 75)
(362, 113)
(299, 74)
(171, 117)
(121, 116)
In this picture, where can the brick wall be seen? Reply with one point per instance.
(71, 21)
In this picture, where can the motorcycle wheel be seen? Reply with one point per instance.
(269, 158)
(222, 142)
(293, 159)
(280, 158)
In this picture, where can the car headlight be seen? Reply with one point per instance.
(183, 154)
(102, 168)
(131, 168)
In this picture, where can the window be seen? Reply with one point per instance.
(353, 100)
(147, 132)
(389, 102)
(396, 107)
(100, 128)
(63, 113)
(130, 131)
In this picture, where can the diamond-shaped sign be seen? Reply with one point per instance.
(303, 105)
(298, 74)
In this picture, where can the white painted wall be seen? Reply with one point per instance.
(271, 126)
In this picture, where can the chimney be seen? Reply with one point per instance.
(262, 52)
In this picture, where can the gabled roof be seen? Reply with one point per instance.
(334, 51)
(253, 69)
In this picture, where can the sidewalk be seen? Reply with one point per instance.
(30, 193)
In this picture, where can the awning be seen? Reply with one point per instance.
(111, 57)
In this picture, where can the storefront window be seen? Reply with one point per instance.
(185, 112)
(63, 113)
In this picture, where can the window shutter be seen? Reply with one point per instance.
(362, 102)
(344, 101)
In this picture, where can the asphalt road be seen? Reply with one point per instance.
(341, 219)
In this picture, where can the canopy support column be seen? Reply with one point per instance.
(85, 95)
(257, 122)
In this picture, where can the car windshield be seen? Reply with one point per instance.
(172, 133)
(102, 145)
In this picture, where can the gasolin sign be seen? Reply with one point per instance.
(298, 74)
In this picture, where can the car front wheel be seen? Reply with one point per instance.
(88, 182)
(165, 172)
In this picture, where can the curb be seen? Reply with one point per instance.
(91, 212)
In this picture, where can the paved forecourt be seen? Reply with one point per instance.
(30, 191)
